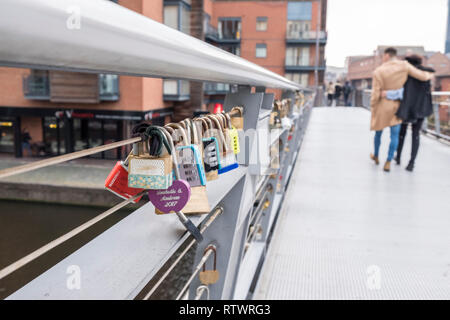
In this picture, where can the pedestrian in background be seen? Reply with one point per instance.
(330, 93)
(337, 92)
(347, 91)
(391, 75)
(26, 146)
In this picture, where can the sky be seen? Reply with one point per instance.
(357, 27)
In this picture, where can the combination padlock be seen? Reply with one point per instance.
(189, 160)
(117, 182)
(175, 198)
(234, 135)
(149, 167)
(227, 157)
(211, 153)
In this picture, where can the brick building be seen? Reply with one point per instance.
(65, 111)
(360, 68)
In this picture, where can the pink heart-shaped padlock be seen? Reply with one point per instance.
(174, 198)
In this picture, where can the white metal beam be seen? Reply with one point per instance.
(113, 39)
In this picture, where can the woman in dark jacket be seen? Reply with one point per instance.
(415, 106)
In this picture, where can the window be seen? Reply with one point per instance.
(176, 90)
(229, 28)
(261, 50)
(299, 10)
(178, 16)
(300, 78)
(261, 23)
(170, 87)
(297, 56)
(234, 49)
(299, 30)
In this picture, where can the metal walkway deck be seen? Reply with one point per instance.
(348, 230)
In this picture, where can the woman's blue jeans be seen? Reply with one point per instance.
(395, 131)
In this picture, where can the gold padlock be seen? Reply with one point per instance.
(208, 277)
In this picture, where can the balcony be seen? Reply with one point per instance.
(228, 32)
(36, 87)
(305, 37)
(211, 88)
(293, 68)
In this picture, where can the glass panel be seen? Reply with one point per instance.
(95, 135)
(185, 20)
(229, 29)
(54, 136)
(6, 136)
(80, 134)
(300, 78)
(170, 87)
(297, 56)
(261, 23)
(185, 88)
(300, 30)
(171, 16)
(299, 10)
(108, 84)
(261, 50)
(111, 130)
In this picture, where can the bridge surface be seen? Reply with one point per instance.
(348, 230)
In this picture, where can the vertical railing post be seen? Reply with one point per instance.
(229, 231)
(437, 122)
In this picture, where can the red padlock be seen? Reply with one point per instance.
(117, 183)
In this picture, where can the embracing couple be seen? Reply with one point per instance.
(401, 94)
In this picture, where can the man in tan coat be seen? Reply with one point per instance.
(391, 75)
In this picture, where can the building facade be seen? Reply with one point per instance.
(65, 111)
(360, 68)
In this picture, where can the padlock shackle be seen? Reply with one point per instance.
(179, 128)
(214, 250)
(220, 129)
(153, 131)
(238, 109)
(187, 126)
(227, 116)
(174, 158)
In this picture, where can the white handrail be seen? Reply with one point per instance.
(103, 37)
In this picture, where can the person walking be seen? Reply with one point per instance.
(337, 92)
(26, 138)
(347, 90)
(391, 75)
(330, 93)
(414, 107)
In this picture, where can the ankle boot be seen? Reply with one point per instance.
(397, 159)
(387, 166)
(410, 166)
(374, 159)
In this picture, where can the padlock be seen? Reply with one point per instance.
(227, 157)
(151, 169)
(211, 154)
(208, 277)
(199, 202)
(234, 135)
(176, 196)
(117, 182)
(188, 156)
(237, 117)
